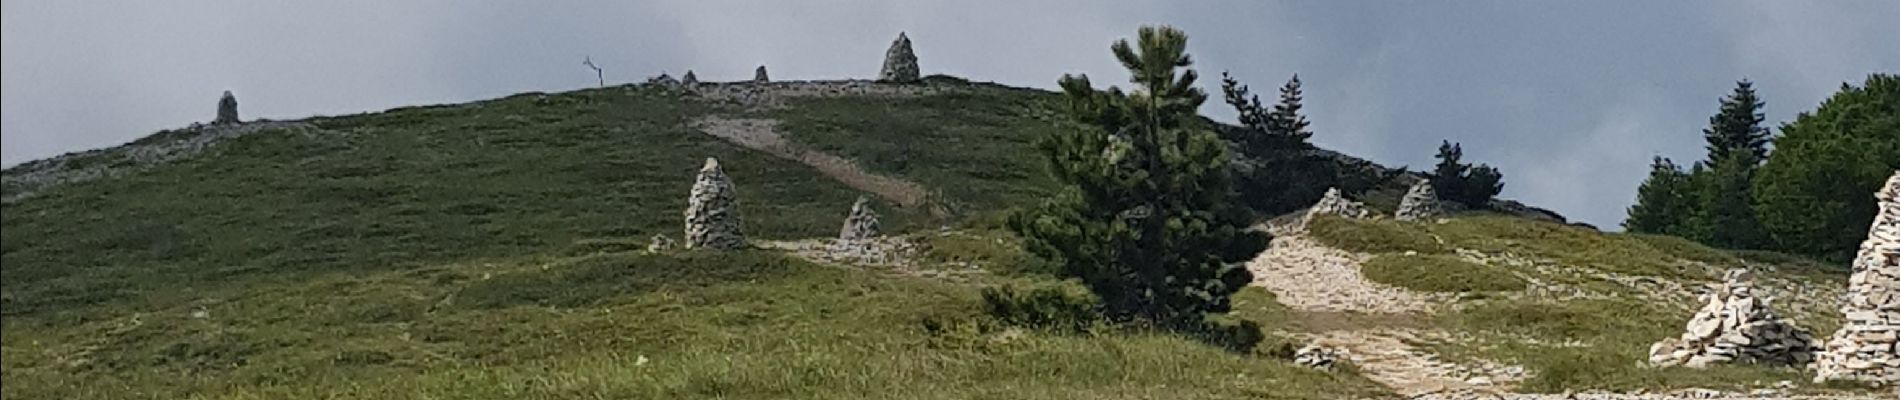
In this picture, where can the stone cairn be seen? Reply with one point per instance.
(1735, 327)
(660, 243)
(758, 76)
(861, 224)
(712, 211)
(1337, 204)
(1420, 203)
(1316, 357)
(663, 80)
(689, 79)
(900, 64)
(1867, 348)
(227, 110)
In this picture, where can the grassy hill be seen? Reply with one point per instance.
(492, 250)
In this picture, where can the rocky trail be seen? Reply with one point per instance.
(763, 135)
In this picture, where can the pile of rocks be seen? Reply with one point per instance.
(689, 79)
(758, 76)
(900, 64)
(1337, 204)
(227, 110)
(1420, 203)
(1735, 327)
(1317, 357)
(1867, 347)
(712, 211)
(660, 243)
(663, 80)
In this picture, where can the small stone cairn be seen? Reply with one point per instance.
(758, 76)
(861, 224)
(1735, 327)
(660, 244)
(712, 211)
(663, 80)
(227, 110)
(1316, 357)
(1337, 204)
(900, 64)
(689, 79)
(1420, 203)
(1867, 347)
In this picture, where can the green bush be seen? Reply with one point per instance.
(1439, 273)
(1061, 307)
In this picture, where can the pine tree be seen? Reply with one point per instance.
(1662, 202)
(1454, 180)
(1285, 120)
(1276, 170)
(1737, 127)
(1726, 218)
(1146, 220)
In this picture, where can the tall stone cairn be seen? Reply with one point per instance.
(861, 224)
(758, 76)
(1735, 327)
(900, 64)
(1865, 347)
(712, 211)
(1420, 203)
(1337, 204)
(689, 79)
(227, 109)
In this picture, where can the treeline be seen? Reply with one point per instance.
(1807, 191)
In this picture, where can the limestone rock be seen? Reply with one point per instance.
(758, 76)
(1316, 356)
(689, 79)
(1867, 347)
(861, 223)
(1419, 204)
(661, 243)
(227, 109)
(712, 211)
(1337, 204)
(1736, 327)
(900, 64)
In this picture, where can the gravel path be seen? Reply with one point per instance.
(1309, 276)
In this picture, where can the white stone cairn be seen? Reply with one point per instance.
(712, 211)
(900, 64)
(1736, 327)
(1420, 203)
(1867, 347)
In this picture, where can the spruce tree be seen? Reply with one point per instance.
(1737, 126)
(1662, 202)
(1276, 170)
(1726, 218)
(1454, 180)
(1146, 220)
(1285, 120)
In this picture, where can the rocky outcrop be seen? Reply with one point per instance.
(1337, 204)
(712, 211)
(900, 64)
(227, 110)
(1735, 327)
(861, 224)
(1420, 203)
(1867, 347)
(758, 76)
(689, 79)
(1316, 357)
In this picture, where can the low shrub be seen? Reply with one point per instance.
(1061, 307)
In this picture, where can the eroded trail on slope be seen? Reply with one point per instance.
(762, 134)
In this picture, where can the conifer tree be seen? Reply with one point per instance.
(1147, 220)
(1276, 170)
(1726, 219)
(1662, 202)
(1737, 126)
(1454, 180)
(1285, 120)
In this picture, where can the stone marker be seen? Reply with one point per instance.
(861, 224)
(758, 76)
(1337, 204)
(661, 243)
(712, 211)
(227, 110)
(1735, 327)
(1420, 203)
(900, 64)
(1864, 349)
(689, 79)
(1316, 357)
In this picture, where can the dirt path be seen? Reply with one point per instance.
(763, 135)
(1308, 276)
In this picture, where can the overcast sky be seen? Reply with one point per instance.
(1569, 99)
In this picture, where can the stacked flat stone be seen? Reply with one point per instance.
(1735, 327)
(758, 76)
(1337, 204)
(861, 224)
(1316, 356)
(661, 243)
(689, 79)
(1420, 203)
(712, 211)
(1865, 348)
(900, 64)
(227, 109)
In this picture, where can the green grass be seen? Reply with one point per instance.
(1439, 273)
(1373, 236)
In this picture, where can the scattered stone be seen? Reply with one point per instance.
(689, 79)
(1735, 327)
(227, 110)
(660, 243)
(1867, 347)
(900, 64)
(1337, 204)
(712, 211)
(758, 76)
(1419, 204)
(1316, 357)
